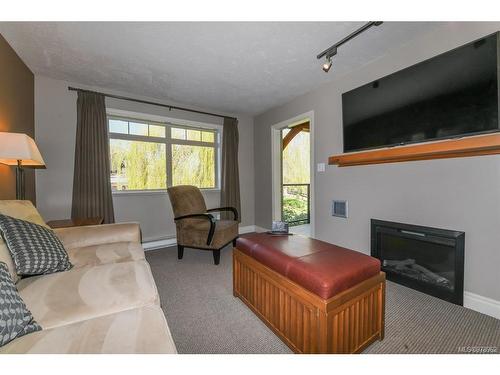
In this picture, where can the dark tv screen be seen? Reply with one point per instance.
(450, 95)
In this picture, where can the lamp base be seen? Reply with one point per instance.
(20, 192)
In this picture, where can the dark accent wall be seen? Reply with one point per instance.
(17, 86)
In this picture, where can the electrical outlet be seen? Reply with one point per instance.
(320, 167)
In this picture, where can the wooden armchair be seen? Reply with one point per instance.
(196, 227)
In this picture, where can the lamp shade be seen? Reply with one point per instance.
(17, 146)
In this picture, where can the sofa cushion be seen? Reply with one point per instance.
(142, 330)
(15, 319)
(35, 249)
(23, 210)
(88, 292)
(90, 235)
(116, 252)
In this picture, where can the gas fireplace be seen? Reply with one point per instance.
(427, 259)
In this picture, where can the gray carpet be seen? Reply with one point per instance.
(204, 317)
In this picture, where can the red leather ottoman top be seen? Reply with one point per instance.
(318, 266)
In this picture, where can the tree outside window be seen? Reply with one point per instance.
(141, 154)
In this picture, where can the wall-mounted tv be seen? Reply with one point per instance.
(450, 95)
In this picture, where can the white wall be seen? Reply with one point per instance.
(461, 194)
(55, 127)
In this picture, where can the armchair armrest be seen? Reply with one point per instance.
(208, 217)
(233, 209)
(99, 234)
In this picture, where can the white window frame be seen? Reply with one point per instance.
(168, 123)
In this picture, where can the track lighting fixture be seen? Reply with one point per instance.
(332, 51)
(327, 65)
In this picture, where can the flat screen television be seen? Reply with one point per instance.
(451, 95)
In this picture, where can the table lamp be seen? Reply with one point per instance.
(19, 150)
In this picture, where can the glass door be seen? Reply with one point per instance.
(295, 177)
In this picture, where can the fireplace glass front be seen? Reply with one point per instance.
(423, 258)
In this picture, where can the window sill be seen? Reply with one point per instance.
(119, 193)
(138, 192)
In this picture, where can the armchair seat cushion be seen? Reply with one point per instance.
(194, 232)
(89, 292)
(136, 331)
(95, 255)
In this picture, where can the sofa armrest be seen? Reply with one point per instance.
(99, 234)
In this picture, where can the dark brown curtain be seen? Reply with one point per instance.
(230, 183)
(91, 182)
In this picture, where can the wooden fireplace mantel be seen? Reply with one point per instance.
(452, 148)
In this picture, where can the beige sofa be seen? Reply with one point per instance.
(107, 303)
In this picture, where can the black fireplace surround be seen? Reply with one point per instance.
(430, 260)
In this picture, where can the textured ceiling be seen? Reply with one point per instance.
(239, 67)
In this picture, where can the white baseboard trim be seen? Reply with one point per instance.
(482, 304)
(246, 229)
(251, 228)
(167, 242)
(158, 244)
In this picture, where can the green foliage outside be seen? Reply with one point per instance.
(296, 159)
(142, 165)
(138, 165)
(296, 170)
(193, 165)
(295, 205)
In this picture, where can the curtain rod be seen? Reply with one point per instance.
(170, 107)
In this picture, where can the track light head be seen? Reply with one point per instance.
(332, 51)
(328, 64)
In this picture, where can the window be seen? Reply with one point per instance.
(147, 155)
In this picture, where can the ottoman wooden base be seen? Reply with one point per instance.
(346, 323)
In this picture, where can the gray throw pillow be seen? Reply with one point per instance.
(35, 249)
(15, 318)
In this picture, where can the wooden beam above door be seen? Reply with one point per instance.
(293, 133)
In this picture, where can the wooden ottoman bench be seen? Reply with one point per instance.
(317, 297)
